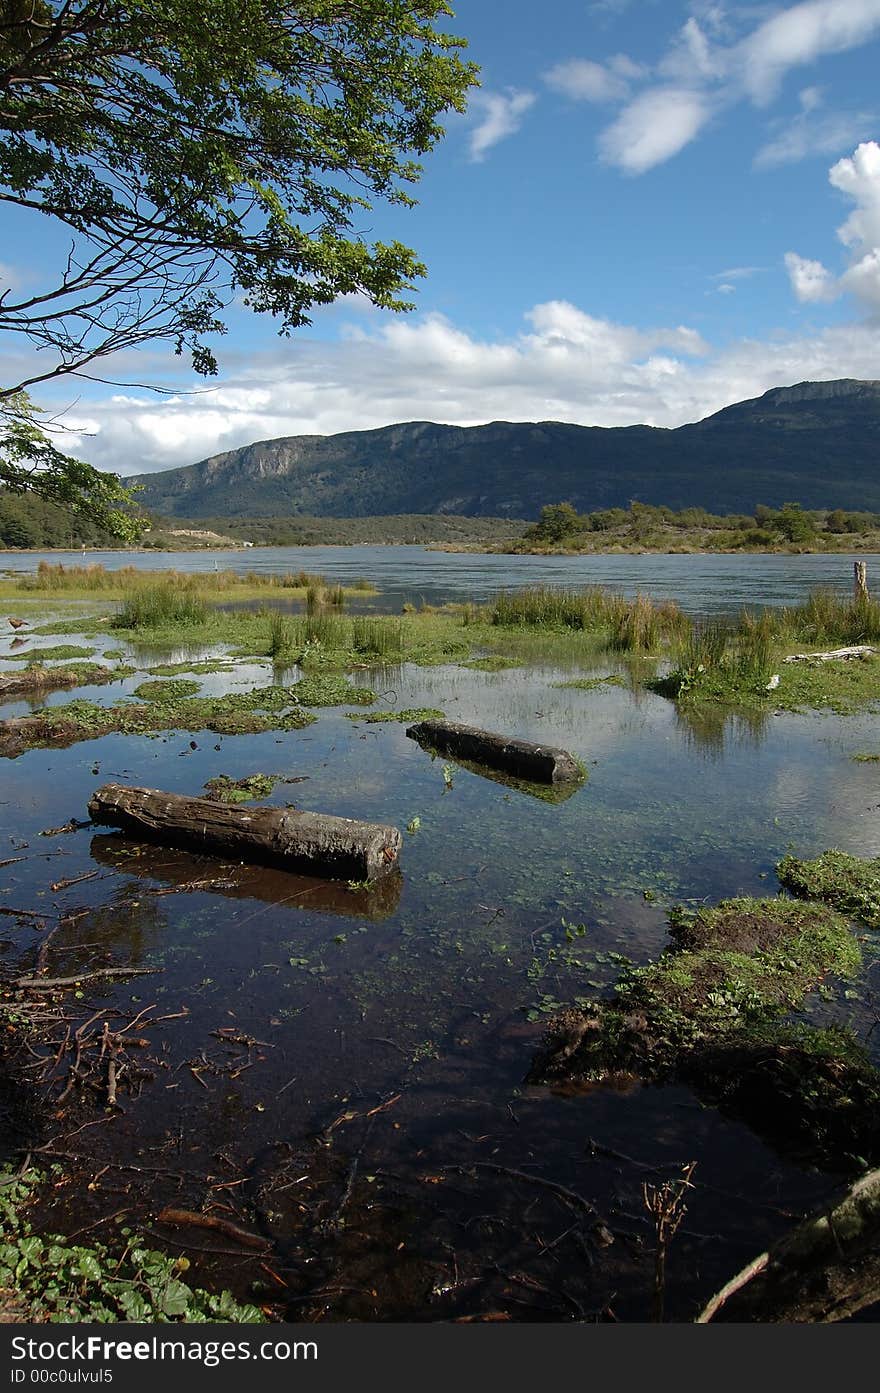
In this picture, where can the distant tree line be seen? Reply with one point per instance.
(561, 522)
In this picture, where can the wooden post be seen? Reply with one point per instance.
(860, 581)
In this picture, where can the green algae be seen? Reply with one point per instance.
(238, 713)
(589, 684)
(206, 665)
(495, 662)
(168, 691)
(728, 969)
(412, 713)
(325, 689)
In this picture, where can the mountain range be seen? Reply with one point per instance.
(817, 443)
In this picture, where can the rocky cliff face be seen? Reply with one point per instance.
(814, 442)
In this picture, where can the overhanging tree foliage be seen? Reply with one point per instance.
(31, 463)
(195, 151)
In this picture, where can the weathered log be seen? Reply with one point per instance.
(340, 848)
(543, 764)
(860, 582)
(834, 655)
(179, 871)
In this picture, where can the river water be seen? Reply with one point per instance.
(701, 584)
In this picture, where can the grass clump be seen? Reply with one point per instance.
(224, 789)
(828, 617)
(378, 637)
(171, 690)
(160, 606)
(637, 625)
(49, 1278)
(850, 883)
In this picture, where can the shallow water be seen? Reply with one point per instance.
(396, 1028)
(701, 584)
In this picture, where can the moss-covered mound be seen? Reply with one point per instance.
(813, 1094)
(224, 789)
(730, 968)
(850, 883)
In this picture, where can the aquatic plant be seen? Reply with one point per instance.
(52, 1278)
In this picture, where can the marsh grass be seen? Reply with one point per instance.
(632, 626)
(379, 637)
(160, 605)
(828, 617)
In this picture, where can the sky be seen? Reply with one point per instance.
(651, 209)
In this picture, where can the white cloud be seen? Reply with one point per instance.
(692, 57)
(706, 70)
(585, 81)
(725, 288)
(502, 116)
(858, 177)
(737, 273)
(653, 128)
(565, 365)
(810, 280)
(807, 136)
(801, 34)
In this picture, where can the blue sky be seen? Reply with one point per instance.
(651, 209)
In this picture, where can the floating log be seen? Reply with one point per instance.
(340, 848)
(834, 655)
(540, 764)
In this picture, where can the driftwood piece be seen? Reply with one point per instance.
(340, 848)
(543, 764)
(834, 655)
